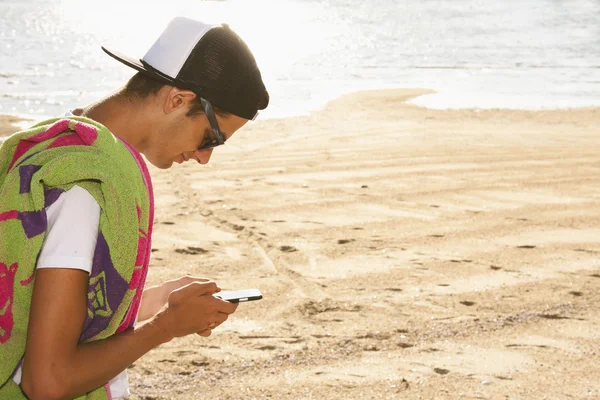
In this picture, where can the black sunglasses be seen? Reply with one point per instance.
(218, 137)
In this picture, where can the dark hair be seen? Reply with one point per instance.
(140, 87)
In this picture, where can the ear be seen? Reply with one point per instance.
(177, 99)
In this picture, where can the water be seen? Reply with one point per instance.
(475, 53)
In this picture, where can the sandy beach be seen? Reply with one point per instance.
(402, 252)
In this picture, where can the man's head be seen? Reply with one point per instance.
(199, 84)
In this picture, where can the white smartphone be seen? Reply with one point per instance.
(238, 296)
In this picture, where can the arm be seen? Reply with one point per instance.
(57, 367)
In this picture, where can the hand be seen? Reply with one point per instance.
(194, 309)
(155, 298)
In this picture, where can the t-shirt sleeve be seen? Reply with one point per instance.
(72, 231)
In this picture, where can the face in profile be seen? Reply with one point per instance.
(178, 137)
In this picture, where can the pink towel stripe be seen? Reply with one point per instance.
(27, 281)
(84, 135)
(22, 148)
(87, 133)
(141, 273)
(55, 129)
(69, 140)
(108, 392)
(9, 215)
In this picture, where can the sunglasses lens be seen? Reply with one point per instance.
(218, 138)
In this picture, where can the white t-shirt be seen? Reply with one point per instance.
(70, 242)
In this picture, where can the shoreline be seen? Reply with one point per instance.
(10, 123)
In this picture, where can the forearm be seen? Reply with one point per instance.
(93, 364)
(96, 363)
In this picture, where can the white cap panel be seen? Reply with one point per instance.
(174, 45)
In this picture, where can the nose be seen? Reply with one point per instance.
(203, 156)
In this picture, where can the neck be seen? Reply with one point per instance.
(123, 117)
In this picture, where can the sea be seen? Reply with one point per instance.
(527, 54)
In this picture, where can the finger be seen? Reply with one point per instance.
(220, 318)
(192, 290)
(226, 306)
(205, 333)
(200, 288)
(186, 280)
(175, 284)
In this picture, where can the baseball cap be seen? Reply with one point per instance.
(210, 60)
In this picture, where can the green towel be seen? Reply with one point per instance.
(36, 166)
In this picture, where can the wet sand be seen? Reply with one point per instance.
(402, 253)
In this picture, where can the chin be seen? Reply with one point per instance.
(161, 164)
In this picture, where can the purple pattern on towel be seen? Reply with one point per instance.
(105, 295)
(34, 222)
(51, 195)
(26, 174)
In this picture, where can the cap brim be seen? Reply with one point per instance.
(138, 65)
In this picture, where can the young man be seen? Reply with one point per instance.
(76, 213)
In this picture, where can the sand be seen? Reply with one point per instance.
(402, 253)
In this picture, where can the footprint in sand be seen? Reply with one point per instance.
(184, 352)
(586, 251)
(288, 249)
(191, 250)
(553, 316)
(431, 350)
(267, 347)
(576, 294)
(344, 241)
(371, 347)
(311, 308)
